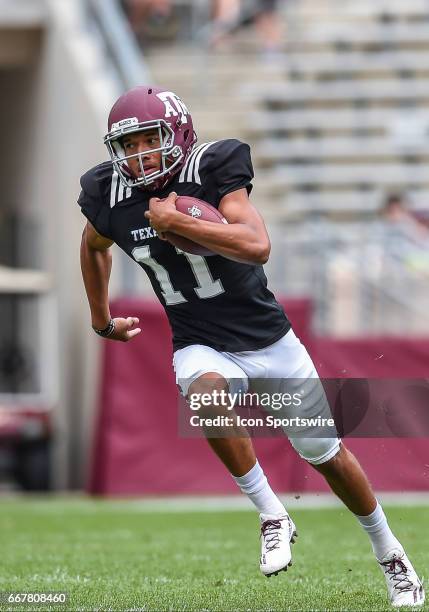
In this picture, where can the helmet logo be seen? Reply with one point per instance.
(174, 106)
(194, 211)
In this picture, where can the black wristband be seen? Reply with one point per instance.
(107, 331)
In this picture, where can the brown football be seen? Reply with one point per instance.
(193, 207)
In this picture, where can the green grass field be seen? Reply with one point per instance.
(113, 556)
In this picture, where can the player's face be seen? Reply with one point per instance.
(143, 142)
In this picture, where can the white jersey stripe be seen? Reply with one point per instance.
(121, 192)
(113, 189)
(188, 162)
(192, 163)
(128, 193)
(185, 167)
(201, 149)
(182, 174)
(198, 160)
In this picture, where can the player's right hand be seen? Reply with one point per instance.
(125, 329)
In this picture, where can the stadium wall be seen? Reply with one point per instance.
(68, 102)
(52, 117)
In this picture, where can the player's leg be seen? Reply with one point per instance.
(201, 370)
(349, 482)
(237, 453)
(233, 446)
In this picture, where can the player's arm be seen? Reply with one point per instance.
(96, 265)
(243, 239)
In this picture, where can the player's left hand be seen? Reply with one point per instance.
(160, 213)
(125, 329)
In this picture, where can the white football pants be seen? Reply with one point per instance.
(262, 371)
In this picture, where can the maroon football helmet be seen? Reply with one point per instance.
(148, 108)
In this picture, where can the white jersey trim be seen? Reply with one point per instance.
(188, 162)
(114, 188)
(192, 166)
(118, 192)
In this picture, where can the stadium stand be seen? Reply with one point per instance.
(346, 124)
(350, 95)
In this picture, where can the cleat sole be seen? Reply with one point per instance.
(284, 569)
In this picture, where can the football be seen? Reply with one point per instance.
(199, 210)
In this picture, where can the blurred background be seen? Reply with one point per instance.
(332, 96)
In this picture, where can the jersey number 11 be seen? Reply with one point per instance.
(206, 288)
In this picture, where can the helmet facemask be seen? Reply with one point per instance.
(171, 154)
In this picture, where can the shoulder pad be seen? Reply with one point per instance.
(95, 180)
(208, 156)
(223, 150)
(93, 199)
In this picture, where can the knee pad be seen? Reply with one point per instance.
(316, 450)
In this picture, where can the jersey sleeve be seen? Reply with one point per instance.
(93, 205)
(230, 166)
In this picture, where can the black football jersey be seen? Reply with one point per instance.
(208, 300)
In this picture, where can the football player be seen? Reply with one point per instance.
(228, 329)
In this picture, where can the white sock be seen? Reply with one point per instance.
(255, 485)
(379, 532)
